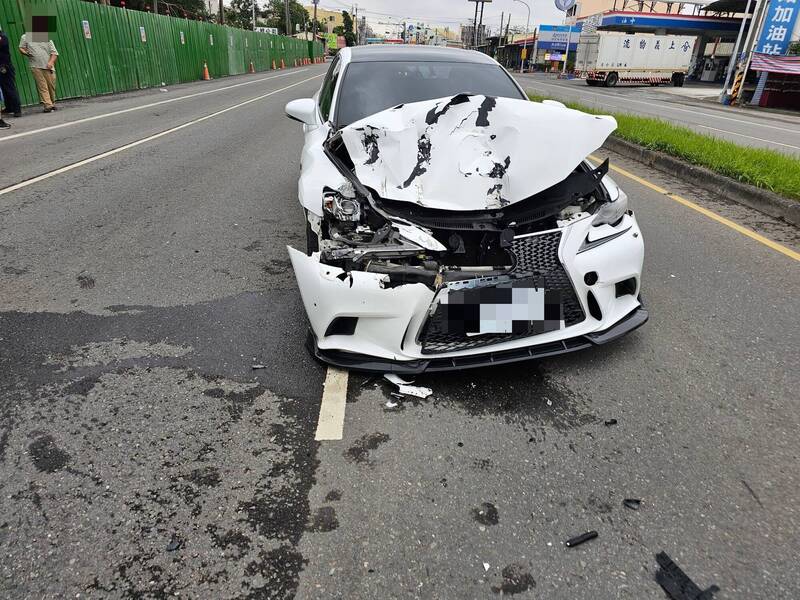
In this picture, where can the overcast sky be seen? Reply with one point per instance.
(449, 12)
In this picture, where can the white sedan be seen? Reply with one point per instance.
(452, 223)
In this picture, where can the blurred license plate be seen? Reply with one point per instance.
(503, 308)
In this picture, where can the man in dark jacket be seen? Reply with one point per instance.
(7, 82)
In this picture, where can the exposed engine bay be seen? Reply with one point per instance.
(415, 238)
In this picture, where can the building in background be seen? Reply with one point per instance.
(584, 8)
(330, 18)
(468, 35)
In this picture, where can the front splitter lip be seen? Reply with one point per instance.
(362, 362)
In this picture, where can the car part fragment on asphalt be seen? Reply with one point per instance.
(256, 367)
(405, 387)
(174, 544)
(632, 503)
(610, 422)
(580, 539)
(677, 584)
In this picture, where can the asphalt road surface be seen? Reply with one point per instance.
(142, 456)
(680, 106)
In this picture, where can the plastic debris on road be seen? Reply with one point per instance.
(677, 584)
(405, 387)
(580, 539)
(632, 503)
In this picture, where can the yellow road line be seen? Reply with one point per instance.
(704, 211)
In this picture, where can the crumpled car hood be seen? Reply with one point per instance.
(471, 152)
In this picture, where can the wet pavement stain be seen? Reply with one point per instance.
(81, 387)
(108, 437)
(276, 267)
(486, 514)
(359, 451)
(333, 496)
(47, 456)
(324, 520)
(516, 580)
(522, 394)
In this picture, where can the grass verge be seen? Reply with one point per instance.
(756, 166)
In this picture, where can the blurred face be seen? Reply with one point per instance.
(40, 25)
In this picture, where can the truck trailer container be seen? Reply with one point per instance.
(609, 57)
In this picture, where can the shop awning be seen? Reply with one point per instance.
(789, 65)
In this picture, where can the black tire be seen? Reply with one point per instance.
(611, 80)
(312, 240)
(678, 79)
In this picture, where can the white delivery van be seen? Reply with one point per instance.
(610, 57)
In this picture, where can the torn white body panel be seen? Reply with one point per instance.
(407, 388)
(471, 152)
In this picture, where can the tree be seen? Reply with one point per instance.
(240, 14)
(275, 16)
(192, 9)
(349, 36)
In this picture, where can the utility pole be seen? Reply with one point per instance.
(480, 23)
(221, 13)
(254, 15)
(723, 96)
(288, 19)
(315, 19)
(155, 7)
(475, 25)
(525, 42)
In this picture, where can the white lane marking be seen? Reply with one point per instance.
(694, 112)
(91, 159)
(743, 135)
(144, 106)
(331, 412)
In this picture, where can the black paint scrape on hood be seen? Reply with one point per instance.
(471, 152)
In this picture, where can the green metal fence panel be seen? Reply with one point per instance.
(104, 49)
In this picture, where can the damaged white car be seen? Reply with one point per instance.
(452, 223)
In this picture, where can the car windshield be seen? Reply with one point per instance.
(370, 87)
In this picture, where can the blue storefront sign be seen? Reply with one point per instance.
(554, 37)
(778, 27)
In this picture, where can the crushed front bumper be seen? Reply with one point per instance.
(361, 362)
(359, 320)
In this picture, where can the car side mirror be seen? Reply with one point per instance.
(303, 110)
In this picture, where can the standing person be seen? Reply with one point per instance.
(3, 124)
(42, 58)
(8, 87)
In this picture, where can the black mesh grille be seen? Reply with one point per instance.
(536, 261)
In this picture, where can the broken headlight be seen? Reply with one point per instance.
(340, 207)
(610, 212)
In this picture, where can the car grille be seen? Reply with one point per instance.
(536, 262)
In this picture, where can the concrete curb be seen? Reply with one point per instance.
(762, 200)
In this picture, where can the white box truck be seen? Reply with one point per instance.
(610, 57)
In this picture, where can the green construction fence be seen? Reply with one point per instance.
(105, 49)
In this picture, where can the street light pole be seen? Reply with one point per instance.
(525, 42)
(315, 19)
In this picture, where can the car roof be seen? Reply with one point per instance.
(398, 52)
